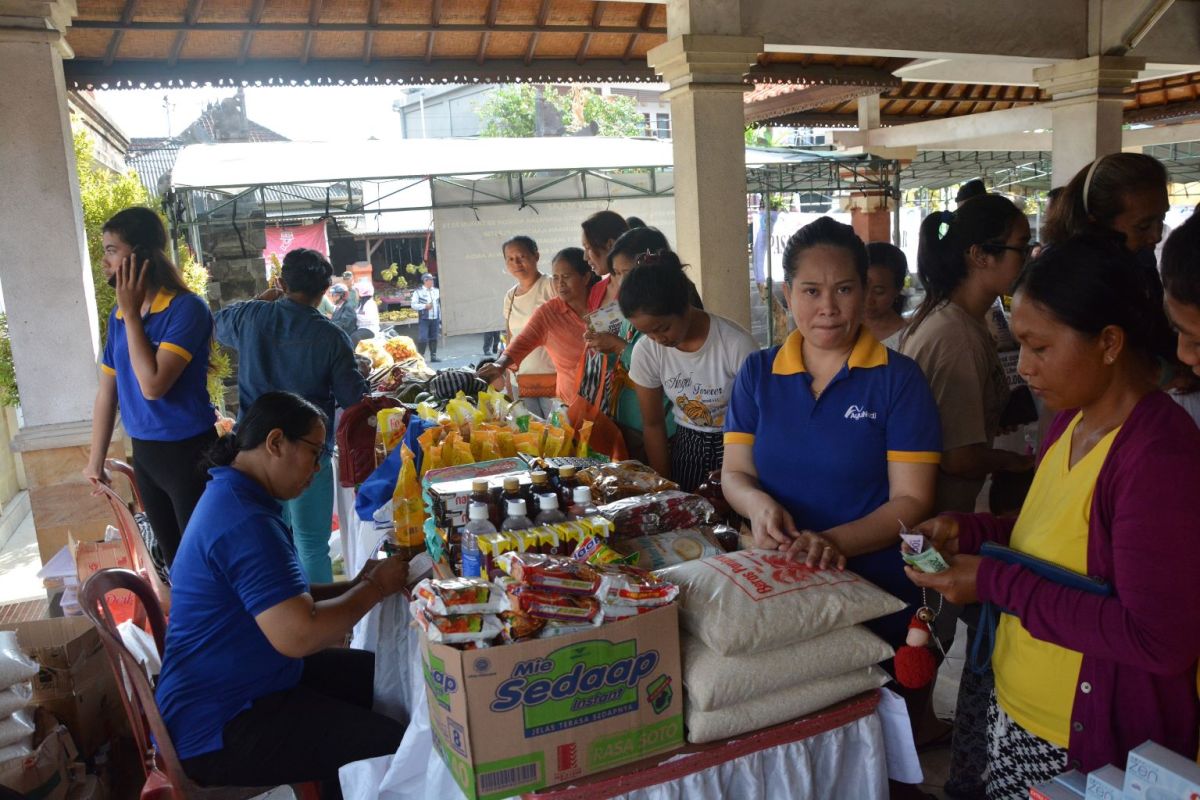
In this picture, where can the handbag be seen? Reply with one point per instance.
(989, 616)
(606, 437)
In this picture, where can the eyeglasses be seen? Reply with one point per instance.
(320, 449)
(1024, 250)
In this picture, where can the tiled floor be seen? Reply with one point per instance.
(936, 761)
(20, 562)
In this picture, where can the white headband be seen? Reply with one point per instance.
(1087, 182)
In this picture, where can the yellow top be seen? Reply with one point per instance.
(1035, 680)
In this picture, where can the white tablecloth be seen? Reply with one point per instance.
(849, 761)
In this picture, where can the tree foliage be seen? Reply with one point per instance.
(102, 194)
(510, 111)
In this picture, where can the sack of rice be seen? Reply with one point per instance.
(715, 682)
(780, 706)
(15, 666)
(756, 600)
(15, 697)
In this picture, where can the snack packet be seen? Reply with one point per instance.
(555, 439)
(453, 596)
(504, 441)
(621, 584)
(389, 424)
(595, 551)
(560, 628)
(555, 573)
(408, 513)
(476, 628)
(462, 412)
(585, 436)
(427, 411)
(611, 612)
(553, 605)
(527, 443)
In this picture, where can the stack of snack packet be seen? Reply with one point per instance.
(459, 611)
(553, 595)
(559, 539)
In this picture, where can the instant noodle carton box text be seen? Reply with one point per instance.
(517, 718)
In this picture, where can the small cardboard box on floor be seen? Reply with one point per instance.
(520, 717)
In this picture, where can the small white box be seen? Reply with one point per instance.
(1155, 773)
(1106, 783)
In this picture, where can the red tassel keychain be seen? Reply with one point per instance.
(916, 664)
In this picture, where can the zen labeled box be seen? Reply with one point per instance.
(1153, 772)
(524, 716)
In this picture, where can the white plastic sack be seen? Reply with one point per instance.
(15, 697)
(15, 727)
(714, 681)
(780, 706)
(15, 666)
(18, 749)
(752, 601)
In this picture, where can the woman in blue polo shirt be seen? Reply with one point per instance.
(832, 440)
(155, 368)
(256, 689)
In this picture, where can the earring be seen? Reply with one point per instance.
(1108, 360)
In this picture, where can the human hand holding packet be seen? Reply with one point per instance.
(921, 557)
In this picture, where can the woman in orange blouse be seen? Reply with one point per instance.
(557, 325)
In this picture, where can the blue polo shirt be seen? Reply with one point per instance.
(182, 324)
(826, 459)
(237, 560)
(286, 346)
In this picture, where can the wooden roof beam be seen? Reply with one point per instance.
(314, 16)
(435, 19)
(490, 19)
(190, 15)
(114, 44)
(369, 36)
(597, 18)
(351, 27)
(256, 10)
(644, 24)
(543, 17)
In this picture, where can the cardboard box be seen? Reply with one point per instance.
(520, 717)
(1106, 783)
(75, 682)
(449, 489)
(1155, 773)
(1068, 786)
(91, 557)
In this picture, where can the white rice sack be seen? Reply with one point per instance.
(752, 601)
(19, 749)
(715, 682)
(15, 727)
(780, 706)
(15, 666)
(15, 697)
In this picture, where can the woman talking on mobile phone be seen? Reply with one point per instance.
(154, 368)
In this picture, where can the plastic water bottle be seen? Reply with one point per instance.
(548, 503)
(582, 505)
(517, 519)
(478, 524)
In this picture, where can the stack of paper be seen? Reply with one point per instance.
(59, 574)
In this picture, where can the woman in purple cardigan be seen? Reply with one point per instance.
(1082, 678)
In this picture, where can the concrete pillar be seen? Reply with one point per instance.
(708, 125)
(1086, 109)
(871, 216)
(45, 274)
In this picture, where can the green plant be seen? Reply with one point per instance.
(510, 111)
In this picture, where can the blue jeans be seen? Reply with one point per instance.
(311, 518)
(427, 335)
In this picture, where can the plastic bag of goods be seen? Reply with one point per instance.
(757, 600)
(657, 513)
(621, 479)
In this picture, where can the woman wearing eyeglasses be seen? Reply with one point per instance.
(285, 344)
(966, 259)
(256, 688)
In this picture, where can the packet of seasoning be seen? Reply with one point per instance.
(458, 629)
(556, 573)
(626, 585)
(550, 605)
(517, 627)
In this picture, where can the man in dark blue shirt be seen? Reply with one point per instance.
(285, 344)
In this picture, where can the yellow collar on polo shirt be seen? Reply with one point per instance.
(868, 352)
(161, 301)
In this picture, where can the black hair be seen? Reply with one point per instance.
(891, 258)
(635, 241)
(288, 412)
(306, 272)
(1181, 262)
(143, 230)
(1112, 177)
(946, 236)
(603, 226)
(824, 231)
(574, 257)
(658, 287)
(635, 222)
(970, 189)
(526, 242)
(1091, 282)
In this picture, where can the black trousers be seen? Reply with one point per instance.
(171, 478)
(491, 343)
(304, 733)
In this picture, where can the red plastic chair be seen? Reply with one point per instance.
(131, 536)
(165, 778)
